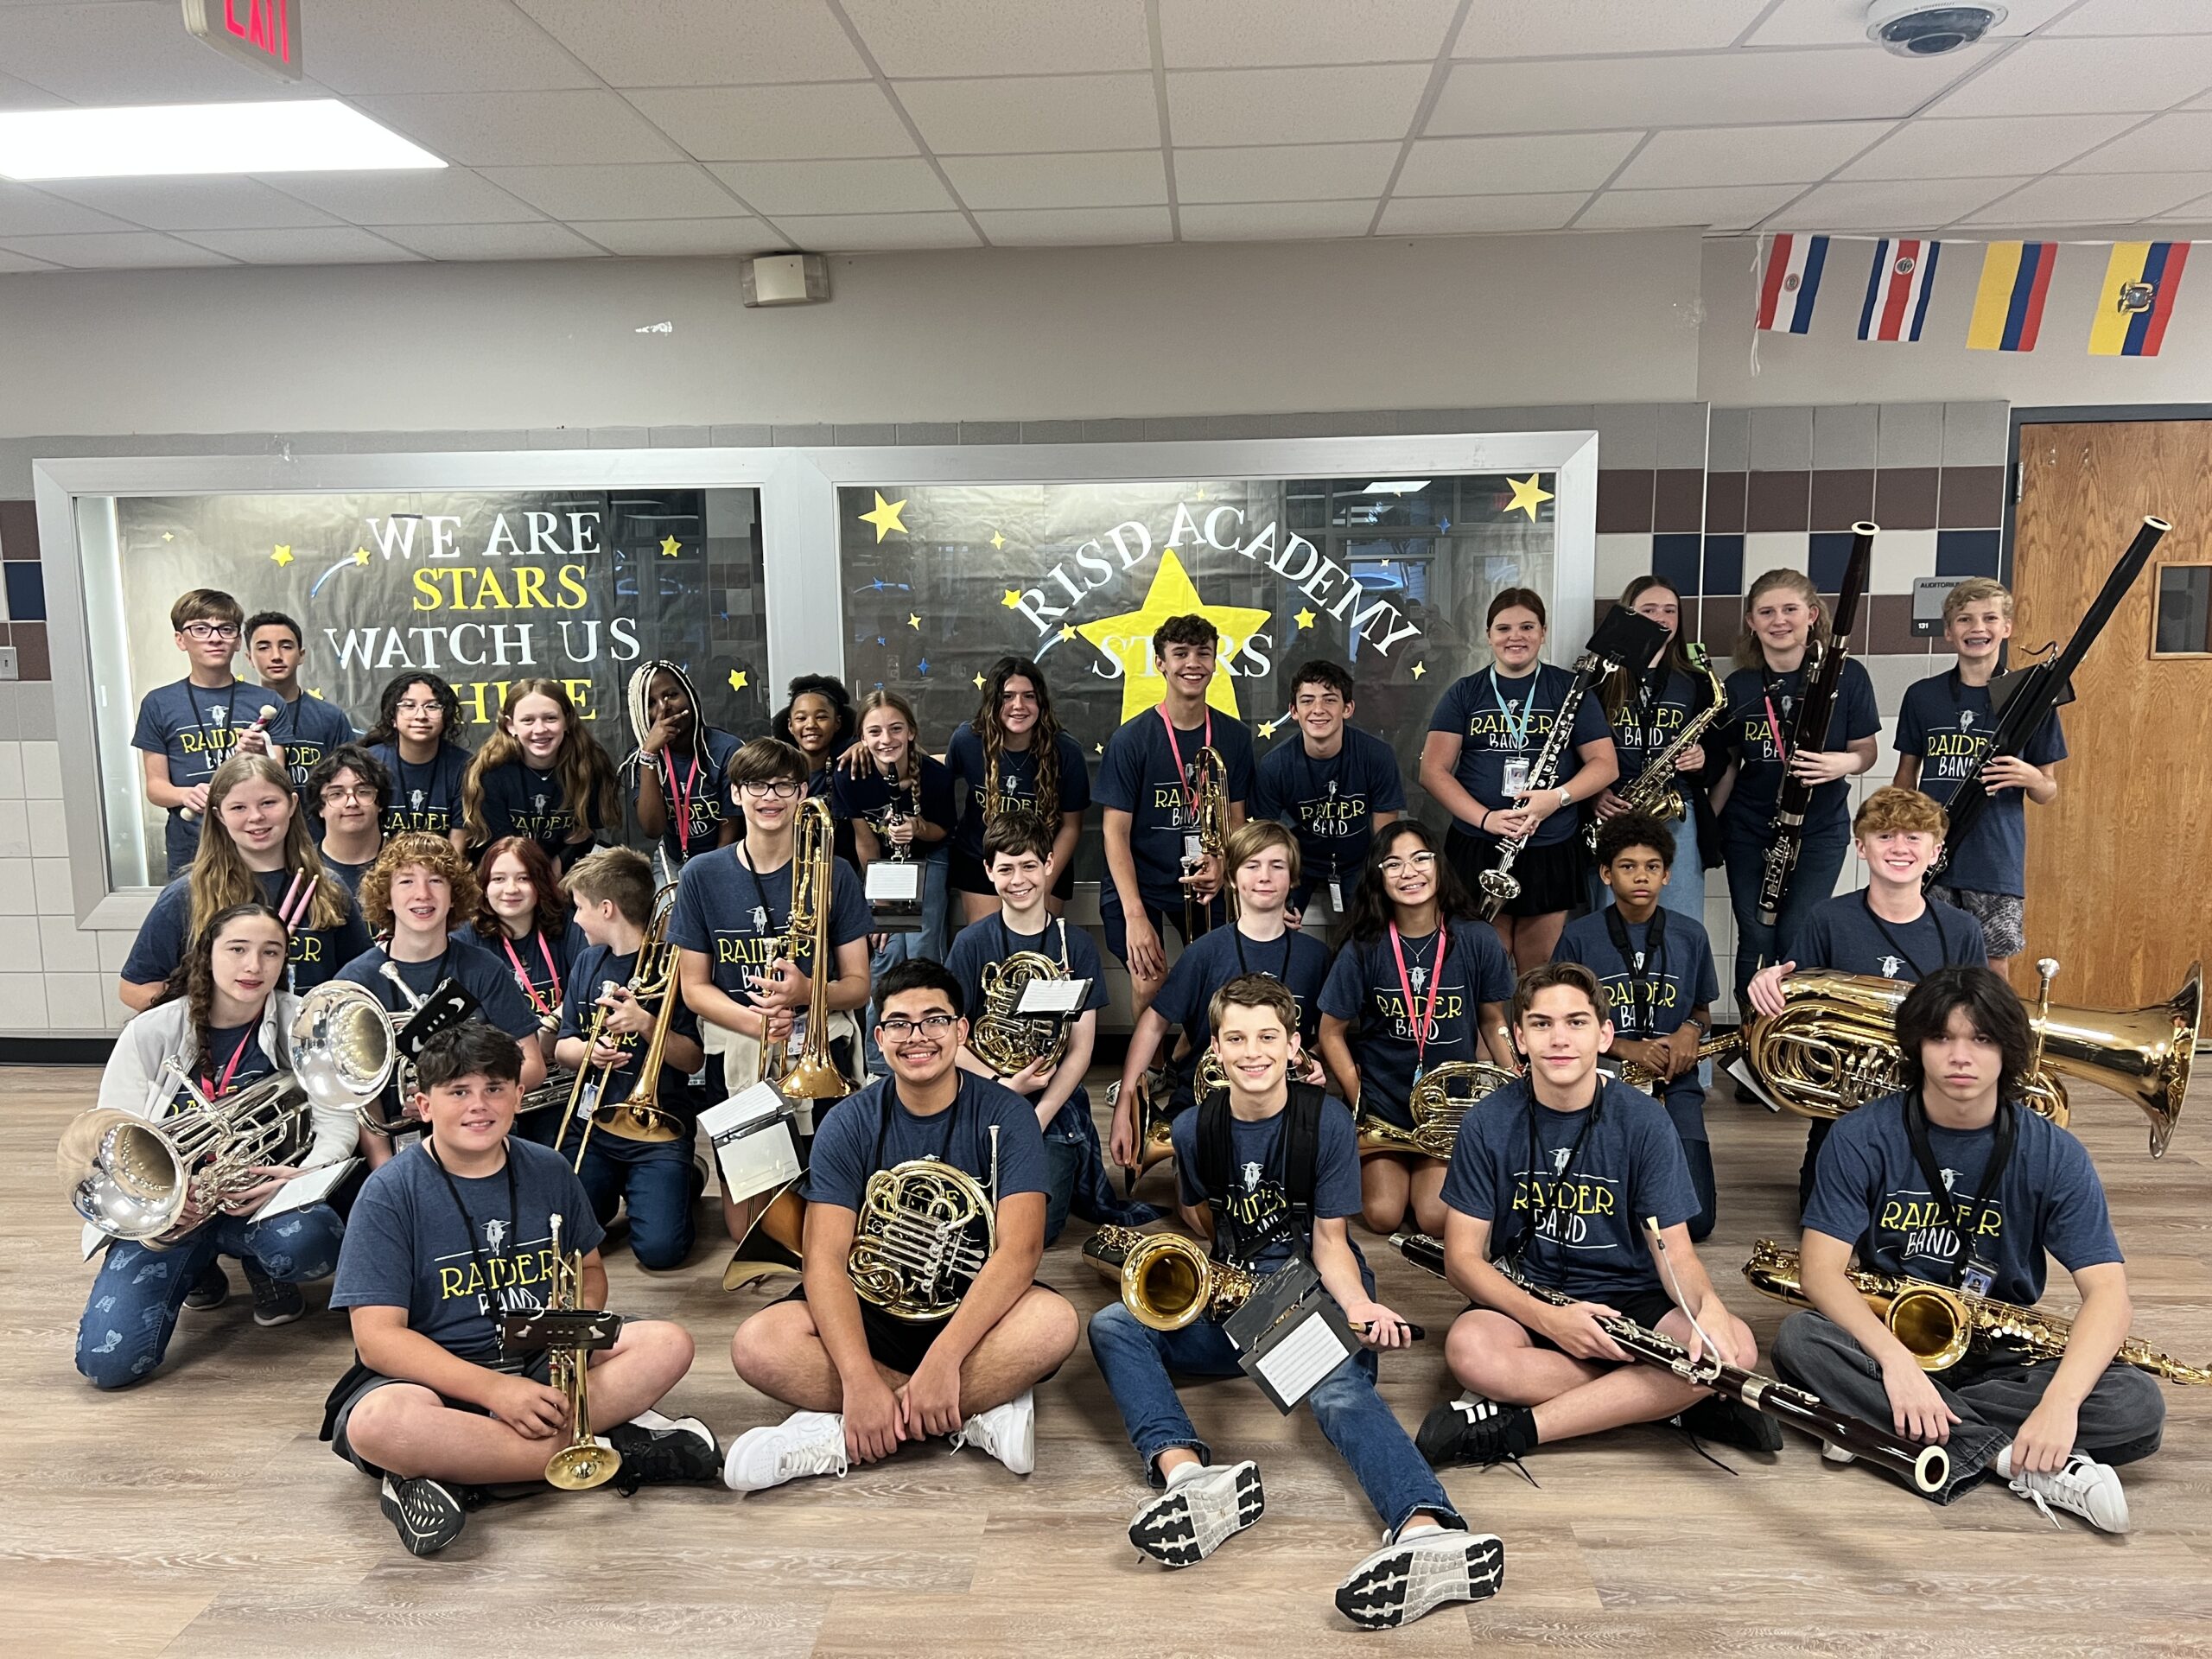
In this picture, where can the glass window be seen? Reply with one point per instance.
(2184, 625)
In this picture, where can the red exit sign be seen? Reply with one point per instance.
(262, 32)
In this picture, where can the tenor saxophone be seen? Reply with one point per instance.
(1653, 789)
(1167, 1281)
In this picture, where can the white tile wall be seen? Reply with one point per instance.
(1900, 558)
(1776, 550)
(12, 771)
(78, 1002)
(15, 828)
(17, 892)
(50, 880)
(23, 1002)
(62, 946)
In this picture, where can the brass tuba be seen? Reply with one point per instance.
(1167, 1281)
(1438, 1103)
(926, 1229)
(1004, 1041)
(1939, 1325)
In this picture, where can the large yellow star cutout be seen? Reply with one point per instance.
(886, 517)
(282, 556)
(1127, 637)
(737, 680)
(1266, 728)
(1526, 496)
(670, 547)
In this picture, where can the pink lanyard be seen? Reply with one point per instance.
(1406, 985)
(216, 1088)
(1183, 777)
(522, 974)
(683, 794)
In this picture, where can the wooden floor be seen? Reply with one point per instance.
(199, 1515)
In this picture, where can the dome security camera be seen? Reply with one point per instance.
(1927, 28)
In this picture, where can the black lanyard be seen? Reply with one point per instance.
(1634, 962)
(1650, 697)
(468, 1226)
(1535, 1167)
(200, 718)
(1935, 920)
(1281, 974)
(1967, 1261)
(766, 917)
(893, 1104)
(407, 785)
(1007, 946)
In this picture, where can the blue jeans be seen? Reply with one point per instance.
(1136, 1361)
(136, 1297)
(654, 1178)
(1698, 1156)
(1820, 860)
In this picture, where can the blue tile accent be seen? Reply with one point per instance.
(26, 582)
(1830, 552)
(1674, 560)
(1958, 553)
(1724, 564)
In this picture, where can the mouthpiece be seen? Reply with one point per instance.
(269, 711)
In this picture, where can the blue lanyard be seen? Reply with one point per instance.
(1518, 733)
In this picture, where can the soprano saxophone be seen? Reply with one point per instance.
(1654, 789)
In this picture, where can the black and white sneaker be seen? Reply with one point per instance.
(1730, 1422)
(682, 1454)
(274, 1302)
(1416, 1575)
(1199, 1513)
(1472, 1429)
(427, 1514)
(211, 1289)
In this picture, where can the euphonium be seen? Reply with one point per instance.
(641, 1116)
(813, 1075)
(1654, 789)
(925, 1231)
(1167, 1281)
(1004, 1041)
(1438, 1103)
(582, 1463)
(1213, 791)
(1939, 1325)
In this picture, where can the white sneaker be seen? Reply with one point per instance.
(804, 1443)
(2084, 1487)
(1199, 1513)
(1417, 1575)
(1008, 1433)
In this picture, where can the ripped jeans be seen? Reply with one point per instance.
(135, 1300)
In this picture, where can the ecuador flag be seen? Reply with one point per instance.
(2137, 299)
(2008, 307)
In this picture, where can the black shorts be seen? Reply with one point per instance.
(1645, 1307)
(1550, 877)
(896, 1344)
(966, 875)
(361, 1381)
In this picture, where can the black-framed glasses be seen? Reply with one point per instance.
(898, 1026)
(783, 789)
(210, 629)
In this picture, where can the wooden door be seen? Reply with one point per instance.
(2120, 867)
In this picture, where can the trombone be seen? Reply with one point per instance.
(640, 1116)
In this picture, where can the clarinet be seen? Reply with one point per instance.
(1809, 731)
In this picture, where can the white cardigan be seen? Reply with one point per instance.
(151, 1038)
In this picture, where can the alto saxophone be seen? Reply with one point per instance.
(1653, 789)
(1167, 1281)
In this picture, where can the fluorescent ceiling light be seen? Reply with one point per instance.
(293, 136)
(1396, 486)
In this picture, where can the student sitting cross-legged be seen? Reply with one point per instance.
(448, 1237)
(1268, 1170)
(865, 1378)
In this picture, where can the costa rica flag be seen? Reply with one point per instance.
(1792, 282)
(1898, 287)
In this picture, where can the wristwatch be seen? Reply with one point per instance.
(1565, 799)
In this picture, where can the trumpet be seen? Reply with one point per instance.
(1167, 1281)
(640, 1116)
(1438, 1103)
(582, 1463)
(1643, 1077)
(1211, 789)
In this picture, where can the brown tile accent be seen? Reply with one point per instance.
(1721, 620)
(1779, 501)
(1972, 498)
(1888, 627)
(1905, 497)
(1724, 503)
(1841, 498)
(1678, 500)
(29, 641)
(18, 529)
(1624, 503)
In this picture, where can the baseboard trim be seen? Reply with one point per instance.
(55, 1051)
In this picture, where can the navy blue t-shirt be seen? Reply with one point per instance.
(1652, 999)
(845, 1141)
(306, 728)
(1844, 934)
(195, 726)
(317, 953)
(695, 791)
(1660, 702)
(981, 944)
(426, 797)
(872, 797)
(348, 876)
(1947, 725)
(519, 801)
(1330, 804)
(232, 1060)
(1743, 732)
(1210, 961)
(544, 959)
(1588, 1204)
(470, 966)
(964, 759)
(1259, 1187)
(1492, 733)
(1139, 776)
(1868, 1193)
(596, 965)
(737, 917)
(1364, 989)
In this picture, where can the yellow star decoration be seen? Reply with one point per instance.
(979, 682)
(1420, 669)
(737, 680)
(1305, 618)
(282, 556)
(886, 517)
(168, 535)
(670, 547)
(1068, 631)
(913, 621)
(1266, 728)
(1013, 598)
(1127, 637)
(361, 556)
(1526, 496)
(997, 541)
(316, 691)
(1098, 748)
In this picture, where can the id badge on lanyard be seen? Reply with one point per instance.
(1516, 776)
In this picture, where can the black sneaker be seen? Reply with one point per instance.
(1730, 1422)
(1472, 1429)
(427, 1514)
(683, 1454)
(1409, 1577)
(211, 1289)
(274, 1302)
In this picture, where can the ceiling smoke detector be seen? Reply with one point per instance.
(1927, 28)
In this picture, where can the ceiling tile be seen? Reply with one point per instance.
(126, 251)
(2137, 17)
(434, 46)
(449, 195)
(25, 211)
(653, 190)
(2069, 77)
(2190, 213)
(1984, 145)
(1843, 22)
(2095, 198)
(1728, 207)
(681, 238)
(124, 53)
(1730, 155)
(1900, 204)
(525, 129)
(877, 232)
(21, 95)
(339, 244)
(779, 124)
(1464, 215)
(15, 262)
(1539, 28)
(537, 241)
(1233, 33)
(1113, 178)
(1077, 227)
(1274, 222)
(841, 188)
(1687, 91)
(191, 203)
(958, 37)
(1034, 113)
(703, 42)
(1288, 106)
(2169, 143)
(1283, 172)
(1470, 167)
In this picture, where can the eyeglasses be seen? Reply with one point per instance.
(211, 630)
(340, 793)
(783, 789)
(1416, 861)
(899, 1027)
(410, 706)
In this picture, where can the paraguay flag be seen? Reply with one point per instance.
(1793, 278)
(1898, 287)
(2140, 284)
(2008, 307)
